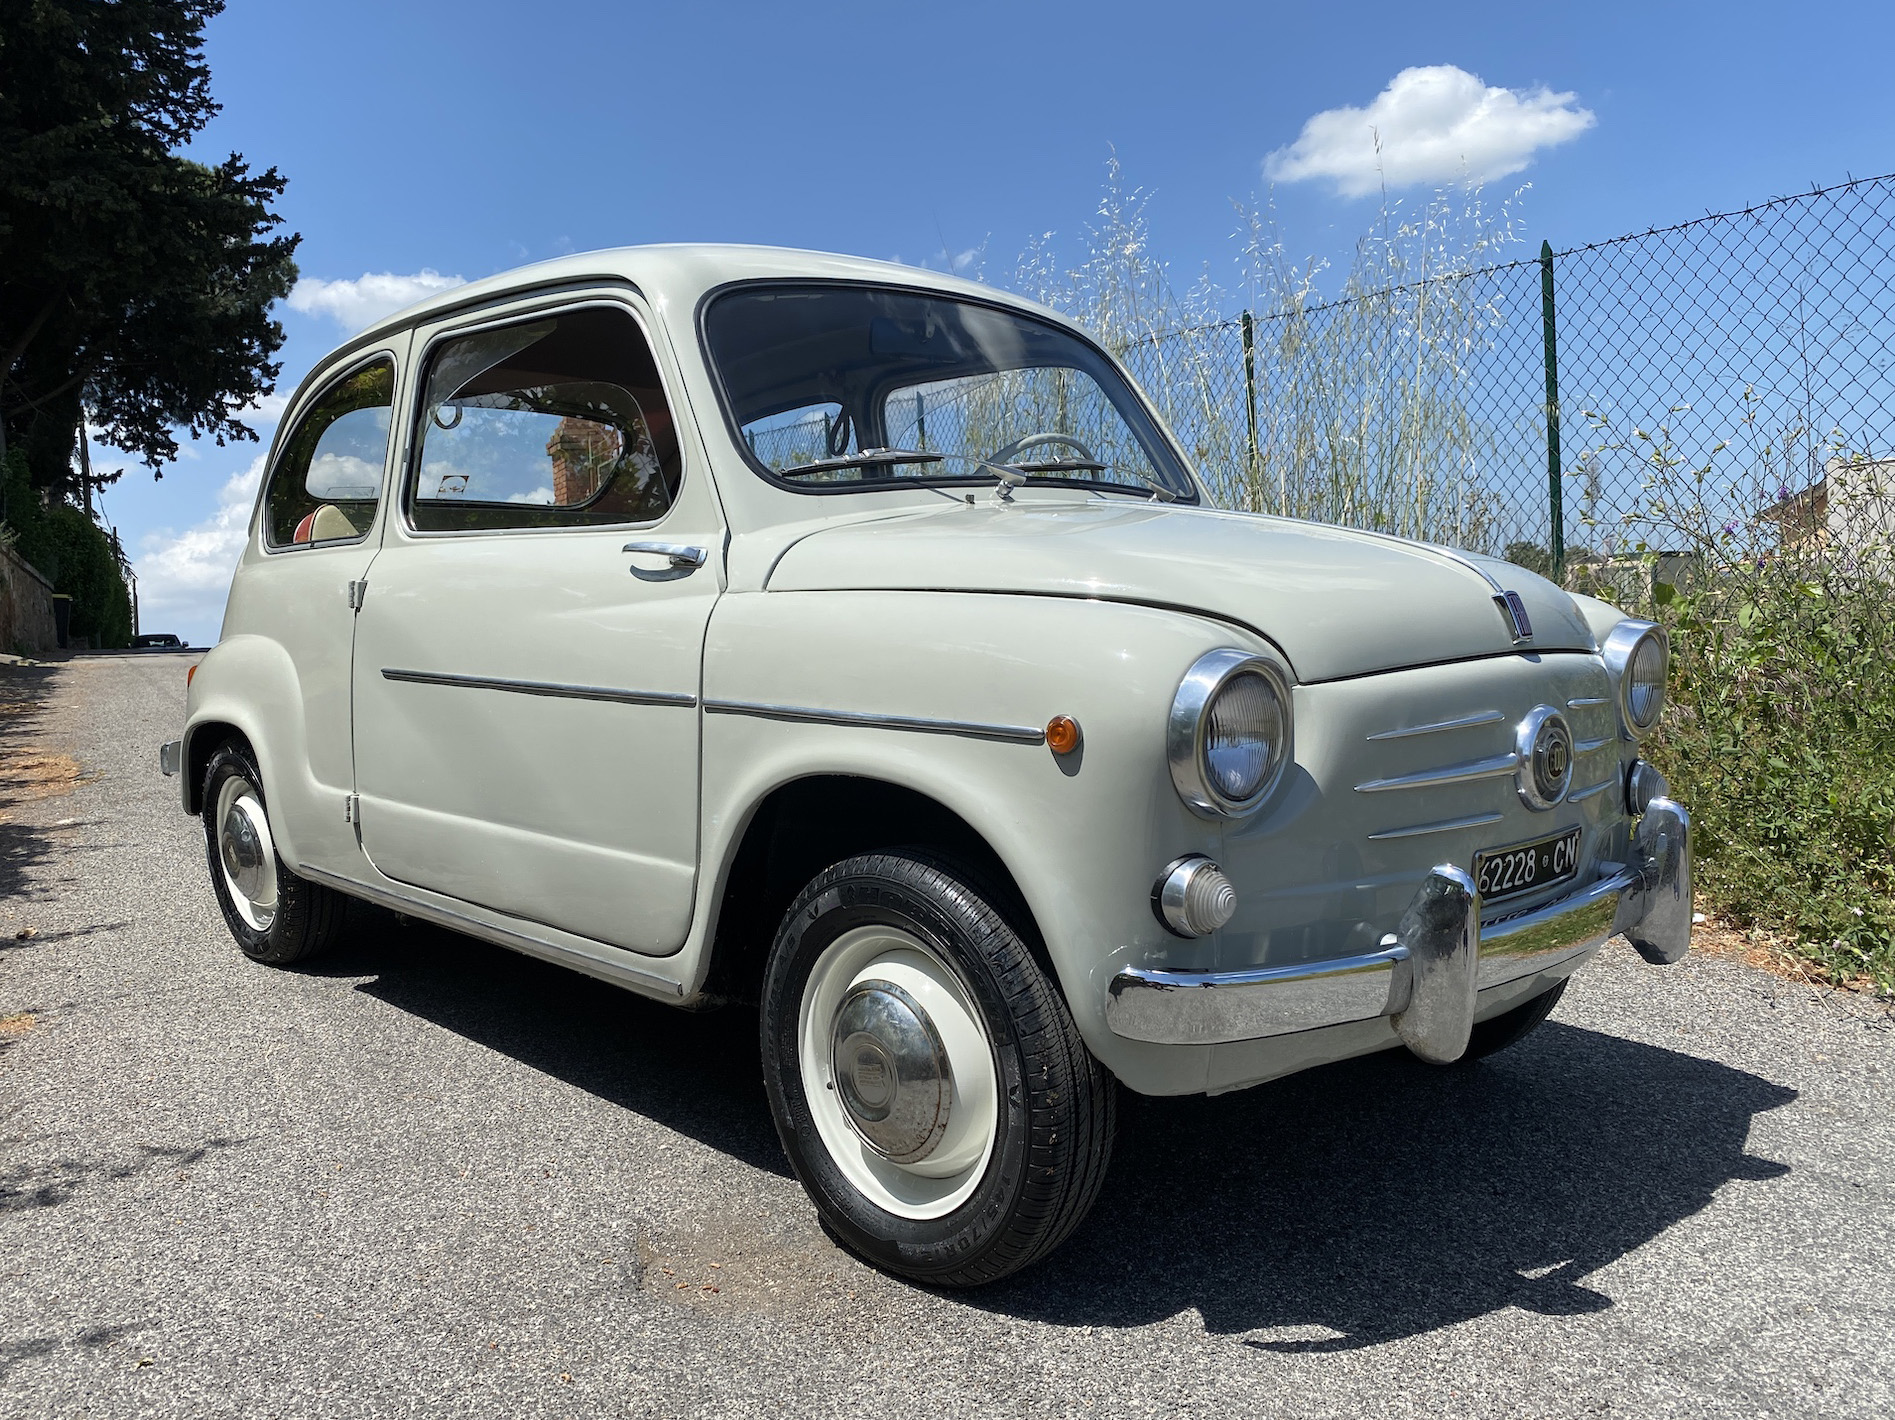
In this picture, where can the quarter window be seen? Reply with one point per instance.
(328, 479)
(556, 422)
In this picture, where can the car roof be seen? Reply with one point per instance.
(680, 274)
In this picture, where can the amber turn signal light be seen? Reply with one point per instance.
(190, 675)
(1062, 734)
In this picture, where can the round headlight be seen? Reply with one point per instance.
(1639, 657)
(1229, 733)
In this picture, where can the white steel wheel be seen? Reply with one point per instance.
(246, 852)
(931, 1091)
(898, 1071)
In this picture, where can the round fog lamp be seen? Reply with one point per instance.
(1193, 898)
(1643, 784)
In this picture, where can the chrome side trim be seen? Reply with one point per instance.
(862, 719)
(647, 981)
(1494, 768)
(1581, 795)
(1445, 826)
(1588, 746)
(1585, 700)
(1484, 717)
(542, 687)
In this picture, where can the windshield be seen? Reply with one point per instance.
(835, 388)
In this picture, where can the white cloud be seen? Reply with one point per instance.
(1433, 124)
(342, 476)
(183, 578)
(357, 304)
(266, 408)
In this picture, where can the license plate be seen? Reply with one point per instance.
(1507, 872)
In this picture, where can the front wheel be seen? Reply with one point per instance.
(1512, 1026)
(927, 1081)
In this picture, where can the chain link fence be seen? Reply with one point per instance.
(1730, 377)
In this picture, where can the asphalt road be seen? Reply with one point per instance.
(431, 1177)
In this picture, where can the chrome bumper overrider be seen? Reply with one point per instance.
(171, 757)
(1427, 973)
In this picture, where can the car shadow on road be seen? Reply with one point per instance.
(1381, 1198)
(695, 1072)
(1340, 1208)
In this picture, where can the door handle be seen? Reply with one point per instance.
(679, 555)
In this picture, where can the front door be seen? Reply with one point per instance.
(527, 654)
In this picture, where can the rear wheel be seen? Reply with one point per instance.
(276, 916)
(1512, 1026)
(927, 1081)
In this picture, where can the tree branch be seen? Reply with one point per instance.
(18, 348)
(54, 393)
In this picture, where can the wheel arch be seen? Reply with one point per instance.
(805, 824)
(247, 688)
(201, 740)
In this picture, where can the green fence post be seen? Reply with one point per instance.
(1554, 493)
(1250, 402)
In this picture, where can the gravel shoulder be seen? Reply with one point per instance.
(432, 1177)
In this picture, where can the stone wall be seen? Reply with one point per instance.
(26, 606)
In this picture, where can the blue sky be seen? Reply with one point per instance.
(462, 139)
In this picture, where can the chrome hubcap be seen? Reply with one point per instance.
(247, 852)
(891, 1072)
(898, 1071)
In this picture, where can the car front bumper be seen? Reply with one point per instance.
(1428, 973)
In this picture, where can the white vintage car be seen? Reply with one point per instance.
(742, 624)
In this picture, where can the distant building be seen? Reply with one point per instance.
(1631, 579)
(584, 453)
(1851, 508)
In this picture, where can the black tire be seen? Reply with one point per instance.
(307, 918)
(1057, 1105)
(1506, 1029)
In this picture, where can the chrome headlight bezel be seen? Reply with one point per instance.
(1190, 715)
(1620, 653)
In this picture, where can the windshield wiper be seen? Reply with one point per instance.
(1043, 466)
(867, 458)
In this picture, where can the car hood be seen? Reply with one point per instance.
(1336, 602)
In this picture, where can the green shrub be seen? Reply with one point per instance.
(1781, 741)
(75, 555)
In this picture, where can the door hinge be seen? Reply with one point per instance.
(352, 809)
(358, 593)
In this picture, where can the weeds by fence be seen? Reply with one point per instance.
(1756, 347)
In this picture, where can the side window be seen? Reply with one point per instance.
(328, 479)
(555, 422)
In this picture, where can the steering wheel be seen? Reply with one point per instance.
(1040, 441)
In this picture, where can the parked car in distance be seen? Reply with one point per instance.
(736, 624)
(158, 641)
